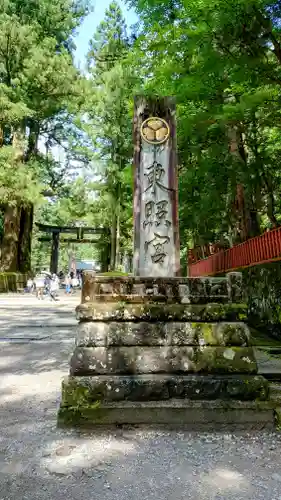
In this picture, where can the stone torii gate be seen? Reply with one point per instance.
(54, 235)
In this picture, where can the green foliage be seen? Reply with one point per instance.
(40, 90)
(38, 81)
(73, 206)
(222, 61)
(108, 127)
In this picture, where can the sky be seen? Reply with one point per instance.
(90, 24)
(82, 42)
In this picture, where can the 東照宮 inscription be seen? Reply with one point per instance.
(156, 245)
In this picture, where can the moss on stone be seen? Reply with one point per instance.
(81, 415)
(175, 413)
(118, 311)
(261, 338)
(232, 359)
(75, 401)
(235, 334)
(77, 394)
(208, 334)
(204, 333)
(242, 317)
(277, 418)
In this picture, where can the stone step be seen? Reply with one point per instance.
(163, 359)
(193, 415)
(77, 391)
(275, 391)
(272, 376)
(153, 289)
(129, 333)
(120, 311)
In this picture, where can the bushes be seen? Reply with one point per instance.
(12, 282)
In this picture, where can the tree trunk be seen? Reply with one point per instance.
(18, 143)
(253, 225)
(9, 250)
(25, 235)
(247, 215)
(270, 199)
(105, 256)
(269, 31)
(117, 258)
(241, 212)
(33, 136)
(113, 243)
(18, 219)
(270, 210)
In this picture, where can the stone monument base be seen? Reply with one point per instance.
(187, 414)
(155, 351)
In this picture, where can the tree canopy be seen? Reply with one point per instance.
(222, 62)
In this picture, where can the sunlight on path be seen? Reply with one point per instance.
(39, 461)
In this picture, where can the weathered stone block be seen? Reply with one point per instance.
(133, 359)
(143, 289)
(98, 333)
(168, 359)
(133, 334)
(82, 391)
(247, 387)
(219, 334)
(235, 334)
(187, 414)
(169, 312)
(277, 417)
(234, 280)
(226, 359)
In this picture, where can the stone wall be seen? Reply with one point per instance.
(262, 287)
(12, 282)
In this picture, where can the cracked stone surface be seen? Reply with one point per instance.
(39, 461)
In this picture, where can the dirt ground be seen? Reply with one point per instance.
(39, 461)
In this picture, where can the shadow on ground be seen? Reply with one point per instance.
(39, 461)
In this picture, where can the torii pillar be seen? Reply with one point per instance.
(55, 252)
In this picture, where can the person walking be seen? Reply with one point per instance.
(74, 283)
(80, 279)
(68, 285)
(54, 287)
(39, 282)
(30, 285)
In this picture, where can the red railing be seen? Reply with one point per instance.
(258, 250)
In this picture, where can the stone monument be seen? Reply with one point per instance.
(156, 231)
(156, 348)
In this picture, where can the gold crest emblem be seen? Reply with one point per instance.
(155, 130)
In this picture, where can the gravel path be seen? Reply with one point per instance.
(39, 461)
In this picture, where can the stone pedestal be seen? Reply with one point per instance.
(145, 345)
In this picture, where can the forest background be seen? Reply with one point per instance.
(66, 119)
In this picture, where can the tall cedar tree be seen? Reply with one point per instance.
(37, 83)
(109, 121)
(222, 61)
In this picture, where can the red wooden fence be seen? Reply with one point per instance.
(258, 250)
